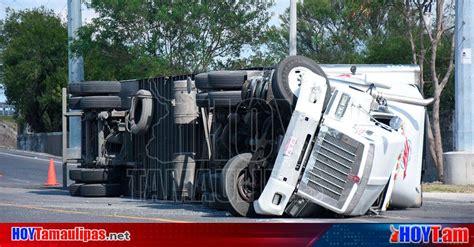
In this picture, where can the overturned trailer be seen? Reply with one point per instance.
(295, 139)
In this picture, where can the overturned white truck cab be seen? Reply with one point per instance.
(402, 81)
(298, 139)
(353, 144)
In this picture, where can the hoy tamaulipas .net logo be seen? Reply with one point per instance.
(435, 234)
(73, 234)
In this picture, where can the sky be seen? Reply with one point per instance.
(60, 8)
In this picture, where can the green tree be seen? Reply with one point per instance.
(34, 55)
(334, 31)
(149, 38)
(438, 55)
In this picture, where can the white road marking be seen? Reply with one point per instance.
(31, 158)
(18, 180)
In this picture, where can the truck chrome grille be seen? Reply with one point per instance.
(335, 157)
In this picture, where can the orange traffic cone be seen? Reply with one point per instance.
(51, 181)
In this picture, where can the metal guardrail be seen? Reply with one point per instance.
(6, 110)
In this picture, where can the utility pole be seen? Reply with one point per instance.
(459, 168)
(293, 20)
(75, 68)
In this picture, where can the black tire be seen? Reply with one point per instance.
(238, 206)
(75, 189)
(202, 81)
(280, 84)
(75, 174)
(202, 100)
(74, 88)
(224, 98)
(99, 175)
(101, 102)
(141, 112)
(74, 103)
(88, 88)
(224, 80)
(100, 190)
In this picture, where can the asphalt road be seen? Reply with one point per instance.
(23, 199)
(19, 169)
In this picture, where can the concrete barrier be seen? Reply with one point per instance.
(459, 168)
(50, 143)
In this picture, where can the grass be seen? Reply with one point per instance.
(439, 187)
(8, 120)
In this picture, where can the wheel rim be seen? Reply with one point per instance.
(295, 76)
(294, 79)
(245, 186)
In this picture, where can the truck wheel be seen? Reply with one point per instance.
(202, 100)
(238, 187)
(141, 112)
(101, 102)
(75, 174)
(94, 88)
(224, 98)
(99, 175)
(74, 103)
(285, 89)
(224, 80)
(98, 190)
(75, 189)
(74, 88)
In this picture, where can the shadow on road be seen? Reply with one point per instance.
(50, 192)
(215, 213)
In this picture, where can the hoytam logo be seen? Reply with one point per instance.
(75, 234)
(435, 234)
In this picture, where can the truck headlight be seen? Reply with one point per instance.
(342, 106)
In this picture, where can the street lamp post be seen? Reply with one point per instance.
(459, 165)
(75, 69)
(292, 38)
